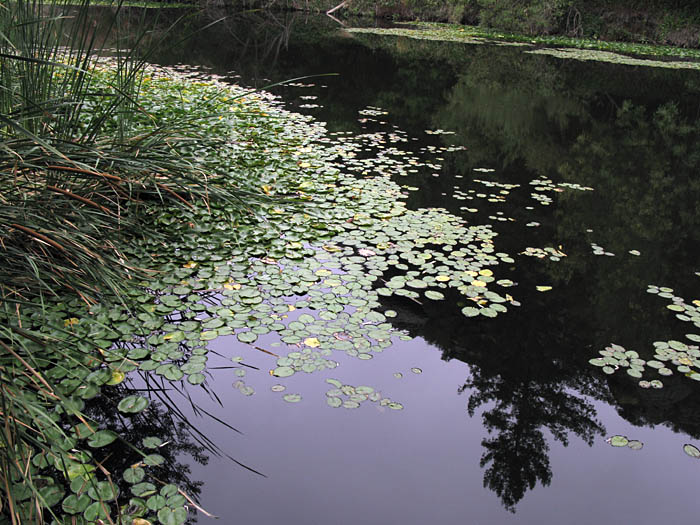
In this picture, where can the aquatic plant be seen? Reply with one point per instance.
(81, 164)
(581, 48)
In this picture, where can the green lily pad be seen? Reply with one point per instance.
(74, 504)
(635, 444)
(196, 379)
(132, 404)
(470, 311)
(292, 398)
(152, 442)
(134, 475)
(691, 450)
(283, 371)
(96, 510)
(172, 516)
(155, 502)
(247, 337)
(618, 441)
(102, 438)
(103, 491)
(143, 489)
(153, 460)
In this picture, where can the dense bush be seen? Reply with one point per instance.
(525, 16)
(665, 22)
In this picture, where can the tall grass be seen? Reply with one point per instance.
(76, 172)
(74, 168)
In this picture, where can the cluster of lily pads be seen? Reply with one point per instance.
(668, 356)
(624, 441)
(620, 441)
(546, 185)
(349, 396)
(549, 252)
(567, 47)
(599, 250)
(307, 263)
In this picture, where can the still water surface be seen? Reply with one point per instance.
(507, 423)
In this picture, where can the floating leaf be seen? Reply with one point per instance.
(283, 371)
(102, 438)
(117, 377)
(152, 442)
(208, 336)
(103, 491)
(143, 489)
(635, 444)
(470, 311)
(691, 450)
(75, 504)
(312, 342)
(96, 510)
(247, 337)
(132, 404)
(196, 379)
(134, 475)
(153, 460)
(292, 398)
(618, 441)
(170, 516)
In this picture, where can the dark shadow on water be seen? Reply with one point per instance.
(628, 132)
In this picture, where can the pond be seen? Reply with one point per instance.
(587, 174)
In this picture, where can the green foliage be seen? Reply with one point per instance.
(80, 166)
(532, 17)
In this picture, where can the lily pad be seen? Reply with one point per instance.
(172, 516)
(283, 371)
(433, 295)
(292, 398)
(691, 450)
(132, 404)
(102, 438)
(618, 441)
(247, 337)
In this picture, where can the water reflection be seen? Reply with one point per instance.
(627, 132)
(175, 439)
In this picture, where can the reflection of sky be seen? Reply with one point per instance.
(419, 465)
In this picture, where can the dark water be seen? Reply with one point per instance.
(507, 421)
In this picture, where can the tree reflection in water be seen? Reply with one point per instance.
(517, 457)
